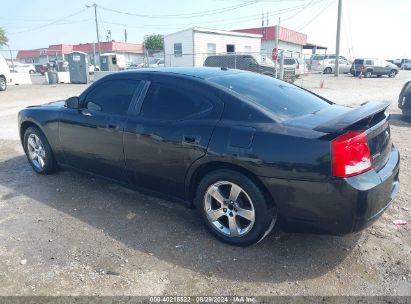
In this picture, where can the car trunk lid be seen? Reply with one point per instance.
(336, 120)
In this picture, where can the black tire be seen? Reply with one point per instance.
(379, 76)
(328, 70)
(392, 73)
(368, 74)
(3, 83)
(265, 214)
(49, 162)
(31, 72)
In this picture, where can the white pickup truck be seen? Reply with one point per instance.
(4, 73)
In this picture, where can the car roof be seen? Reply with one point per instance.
(198, 72)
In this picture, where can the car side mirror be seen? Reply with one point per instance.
(72, 102)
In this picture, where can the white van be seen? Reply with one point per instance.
(4, 73)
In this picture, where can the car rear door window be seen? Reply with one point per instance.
(165, 102)
(112, 97)
(369, 62)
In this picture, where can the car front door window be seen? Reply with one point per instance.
(111, 97)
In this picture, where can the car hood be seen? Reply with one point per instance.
(58, 103)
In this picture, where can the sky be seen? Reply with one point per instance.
(369, 28)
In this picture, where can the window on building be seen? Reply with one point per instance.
(178, 49)
(211, 48)
(247, 49)
(230, 48)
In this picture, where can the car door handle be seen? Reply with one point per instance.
(191, 139)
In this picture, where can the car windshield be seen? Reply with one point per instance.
(263, 59)
(153, 60)
(283, 100)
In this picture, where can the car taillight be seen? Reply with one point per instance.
(350, 154)
(362, 67)
(298, 66)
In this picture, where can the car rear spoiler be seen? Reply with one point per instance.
(366, 111)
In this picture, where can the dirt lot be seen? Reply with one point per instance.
(69, 234)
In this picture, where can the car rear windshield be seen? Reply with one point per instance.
(283, 100)
(289, 61)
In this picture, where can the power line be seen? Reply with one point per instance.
(51, 23)
(219, 22)
(184, 15)
(327, 5)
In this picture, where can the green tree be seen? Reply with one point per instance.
(3, 38)
(154, 42)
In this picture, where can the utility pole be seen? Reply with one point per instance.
(125, 35)
(276, 45)
(337, 43)
(97, 32)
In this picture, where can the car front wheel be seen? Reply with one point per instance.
(328, 70)
(38, 151)
(234, 208)
(392, 73)
(3, 83)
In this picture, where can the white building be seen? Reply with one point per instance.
(191, 47)
(289, 41)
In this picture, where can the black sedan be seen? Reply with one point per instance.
(247, 150)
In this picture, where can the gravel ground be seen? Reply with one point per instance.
(70, 234)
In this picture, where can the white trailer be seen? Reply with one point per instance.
(191, 47)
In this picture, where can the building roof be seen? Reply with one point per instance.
(106, 47)
(218, 32)
(284, 34)
(310, 46)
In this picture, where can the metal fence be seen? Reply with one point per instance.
(255, 62)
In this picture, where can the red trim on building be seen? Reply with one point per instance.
(284, 34)
(106, 47)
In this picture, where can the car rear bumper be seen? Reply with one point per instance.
(339, 205)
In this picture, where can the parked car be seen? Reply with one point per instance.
(91, 68)
(404, 101)
(156, 62)
(317, 58)
(327, 66)
(4, 73)
(245, 149)
(250, 62)
(22, 68)
(298, 64)
(41, 68)
(397, 62)
(373, 67)
(406, 64)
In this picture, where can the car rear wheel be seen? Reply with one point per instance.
(38, 151)
(234, 208)
(3, 83)
(392, 73)
(368, 74)
(328, 70)
(32, 71)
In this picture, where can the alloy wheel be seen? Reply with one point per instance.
(229, 209)
(36, 151)
(2, 84)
